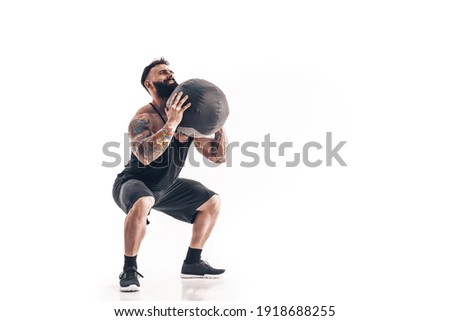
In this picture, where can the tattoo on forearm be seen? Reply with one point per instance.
(217, 148)
(152, 146)
(214, 148)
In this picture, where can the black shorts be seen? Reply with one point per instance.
(180, 200)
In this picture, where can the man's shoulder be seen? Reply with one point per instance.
(146, 110)
(146, 118)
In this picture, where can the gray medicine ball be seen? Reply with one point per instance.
(208, 111)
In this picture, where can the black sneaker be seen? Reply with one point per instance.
(129, 280)
(201, 270)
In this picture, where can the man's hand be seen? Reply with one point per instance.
(176, 109)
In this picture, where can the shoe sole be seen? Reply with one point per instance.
(206, 276)
(130, 288)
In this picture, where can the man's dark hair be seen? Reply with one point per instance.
(160, 61)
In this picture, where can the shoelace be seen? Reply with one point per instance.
(202, 262)
(124, 273)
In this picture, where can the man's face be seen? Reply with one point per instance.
(162, 79)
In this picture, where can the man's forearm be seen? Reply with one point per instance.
(218, 151)
(151, 147)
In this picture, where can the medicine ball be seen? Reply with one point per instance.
(208, 111)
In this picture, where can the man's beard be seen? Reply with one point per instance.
(164, 89)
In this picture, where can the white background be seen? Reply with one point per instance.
(371, 238)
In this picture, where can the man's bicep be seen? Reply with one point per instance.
(139, 128)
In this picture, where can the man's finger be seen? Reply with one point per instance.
(186, 107)
(169, 101)
(177, 98)
(182, 101)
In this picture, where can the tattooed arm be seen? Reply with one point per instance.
(146, 145)
(215, 148)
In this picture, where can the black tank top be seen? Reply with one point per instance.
(160, 173)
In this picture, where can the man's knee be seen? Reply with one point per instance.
(215, 203)
(211, 206)
(142, 206)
